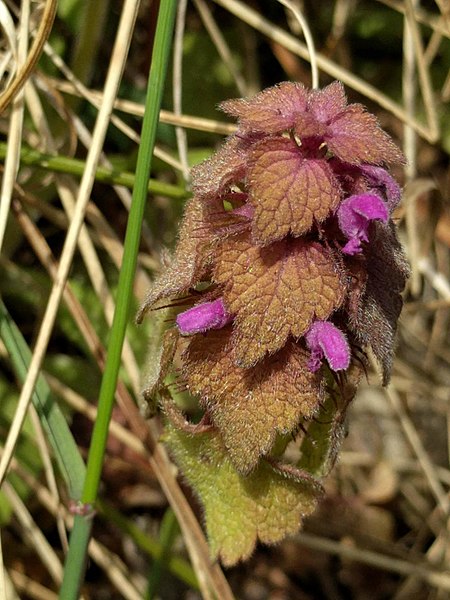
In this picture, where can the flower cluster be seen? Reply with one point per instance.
(289, 256)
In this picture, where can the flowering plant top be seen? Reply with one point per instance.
(290, 260)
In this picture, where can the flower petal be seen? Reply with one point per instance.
(200, 318)
(354, 216)
(325, 340)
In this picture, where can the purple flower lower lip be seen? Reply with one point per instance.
(325, 340)
(354, 216)
(200, 318)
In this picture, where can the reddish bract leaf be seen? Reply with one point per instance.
(271, 111)
(351, 133)
(307, 126)
(223, 222)
(190, 262)
(215, 175)
(250, 406)
(328, 102)
(288, 190)
(275, 292)
(355, 136)
(351, 178)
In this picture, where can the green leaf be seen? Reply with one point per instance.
(5, 510)
(267, 505)
(161, 350)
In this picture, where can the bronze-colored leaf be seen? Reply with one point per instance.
(355, 136)
(288, 190)
(190, 261)
(250, 406)
(275, 291)
(215, 175)
(327, 102)
(271, 111)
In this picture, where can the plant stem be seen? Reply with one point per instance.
(73, 166)
(76, 558)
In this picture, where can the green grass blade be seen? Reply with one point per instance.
(168, 532)
(79, 540)
(58, 433)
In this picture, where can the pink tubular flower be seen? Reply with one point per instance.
(325, 340)
(200, 318)
(380, 179)
(354, 216)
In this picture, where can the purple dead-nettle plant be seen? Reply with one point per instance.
(292, 263)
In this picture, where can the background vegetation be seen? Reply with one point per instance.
(68, 168)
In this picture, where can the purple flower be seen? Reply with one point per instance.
(385, 183)
(325, 340)
(200, 318)
(354, 216)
